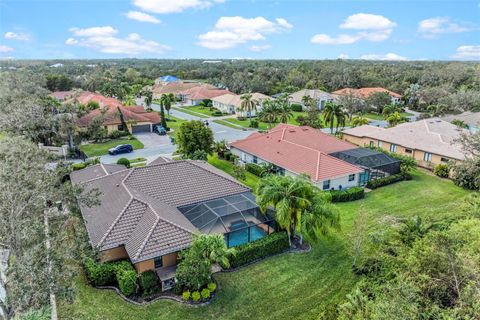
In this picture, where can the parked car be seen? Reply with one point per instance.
(160, 130)
(121, 148)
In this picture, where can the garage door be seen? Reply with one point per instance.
(141, 128)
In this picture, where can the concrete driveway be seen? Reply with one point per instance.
(152, 140)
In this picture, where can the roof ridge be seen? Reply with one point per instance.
(218, 175)
(144, 242)
(318, 166)
(109, 230)
(107, 175)
(101, 165)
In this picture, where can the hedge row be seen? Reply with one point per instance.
(374, 184)
(254, 168)
(105, 274)
(351, 194)
(248, 252)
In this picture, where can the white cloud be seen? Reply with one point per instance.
(371, 27)
(104, 39)
(341, 39)
(173, 6)
(385, 57)
(366, 21)
(16, 36)
(141, 16)
(468, 53)
(343, 56)
(433, 27)
(5, 49)
(259, 48)
(232, 31)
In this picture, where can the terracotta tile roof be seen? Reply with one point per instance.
(138, 206)
(235, 99)
(431, 135)
(365, 92)
(203, 92)
(300, 150)
(173, 87)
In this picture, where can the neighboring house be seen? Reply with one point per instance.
(167, 79)
(230, 102)
(136, 118)
(149, 214)
(177, 89)
(321, 97)
(364, 93)
(301, 150)
(56, 65)
(197, 94)
(471, 119)
(430, 141)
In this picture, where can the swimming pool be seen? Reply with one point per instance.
(240, 234)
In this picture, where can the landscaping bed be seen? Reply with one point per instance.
(100, 149)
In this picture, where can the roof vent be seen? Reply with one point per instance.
(279, 140)
(117, 185)
(291, 130)
(304, 128)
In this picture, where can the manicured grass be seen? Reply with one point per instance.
(224, 165)
(136, 160)
(205, 111)
(100, 149)
(223, 122)
(375, 116)
(245, 123)
(289, 286)
(174, 124)
(191, 112)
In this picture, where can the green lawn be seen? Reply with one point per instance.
(227, 166)
(224, 122)
(202, 110)
(288, 286)
(100, 149)
(375, 116)
(174, 124)
(191, 112)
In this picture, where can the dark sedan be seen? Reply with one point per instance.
(122, 148)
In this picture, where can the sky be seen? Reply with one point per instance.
(244, 29)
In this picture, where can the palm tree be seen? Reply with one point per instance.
(437, 110)
(129, 101)
(394, 119)
(148, 99)
(284, 113)
(269, 112)
(299, 207)
(391, 108)
(164, 101)
(332, 112)
(359, 120)
(247, 104)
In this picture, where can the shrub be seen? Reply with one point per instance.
(212, 286)
(227, 155)
(99, 274)
(441, 170)
(118, 134)
(248, 252)
(351, 194)
(239, 172)
(205, 293)
(127, 281)
(374, 184)
(186, 295)
(149, 282)
(199, 155)
(195, 296)
(253, 123)
(217, 113)
(124, 161)
(78, 166)
(296, 107)
(255, 169)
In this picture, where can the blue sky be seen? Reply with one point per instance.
(261, 29)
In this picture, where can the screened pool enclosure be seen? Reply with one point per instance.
(237, 217)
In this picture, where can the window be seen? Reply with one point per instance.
(326, 184)
(444, 159)
(158, 262)
(120, 127)
(255, 159)
(244, 157)
(379, 144)
(427, 156)
(351, 177)
(280, 171)
(372, 144)
(408, 150)
(393, 148)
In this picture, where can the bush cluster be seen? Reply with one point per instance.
(441, 170)
(124, 161)
(351, 194)
(253, 123)
(118, 134)
(296, 107)
(254, 169)
(127, 281)
(149, 282)
(374, 184)
(83, 165)
(204, 294)
(217, 113)
(248, 252)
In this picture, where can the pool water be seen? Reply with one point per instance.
(238, 237)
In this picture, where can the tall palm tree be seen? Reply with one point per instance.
(394, 119)
(129, 101)
(333, 112)
(437, 110)
(341, 117)
(359, 120)
(148, 98)
(300, 208)
(391, 108)
(269, 112)
(284, 113)
(247, 104)
(164, 101)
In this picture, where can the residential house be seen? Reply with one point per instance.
(320, 97)
(471, 119)
(297, 150)
(430, 141)
(167, 79)
(116, 115)
(197, 94)
(364, 93)
(148, 214)
(230, 103)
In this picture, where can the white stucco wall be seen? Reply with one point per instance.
(335, 183)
